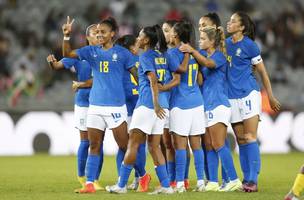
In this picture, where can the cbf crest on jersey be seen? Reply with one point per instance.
(114, 57)
(238, 52)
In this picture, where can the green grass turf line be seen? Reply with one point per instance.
(44, 177)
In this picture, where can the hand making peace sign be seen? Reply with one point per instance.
(67, 27)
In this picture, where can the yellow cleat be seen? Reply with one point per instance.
(82, 180)
(212, 186)
(97, 186)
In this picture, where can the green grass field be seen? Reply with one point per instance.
(49, 177)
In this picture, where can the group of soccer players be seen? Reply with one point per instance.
(171, 96)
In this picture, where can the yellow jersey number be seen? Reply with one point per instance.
(193, 67)
(104, 66)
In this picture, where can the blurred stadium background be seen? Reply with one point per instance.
(30, 92)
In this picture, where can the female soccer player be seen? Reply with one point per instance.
(107, 99)
(186, 114)
(151, 109)
(211, 158)
(215, 93)
(244, 93)
(142, 179)
(83, 73)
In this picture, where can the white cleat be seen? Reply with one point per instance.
(133, 185)
(212, 187)
(200, 188)
(162, 190)
(180, 190)
(116, 189)
(235, 185)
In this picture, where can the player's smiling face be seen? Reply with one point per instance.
(92, 38)
(234, 25)
(141, 40)
(204, 22)
(167, 32)
(104, 34)
(205, 42)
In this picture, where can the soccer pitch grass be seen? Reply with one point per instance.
(54, 177)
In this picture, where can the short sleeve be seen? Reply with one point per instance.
(84, 53)
(173, 64)
(254, 53)
(130, 60)
(203, 52)
(68, 63)
(146, 64)
(219, 59)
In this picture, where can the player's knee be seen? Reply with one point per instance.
(217, 144)
(208, 145)
(94, 146)
(249, 137)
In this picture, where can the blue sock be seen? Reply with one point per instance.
(141, 160)
(198, 155)
(213, 163)
(227, 162)
(119, 158)
(244, 162)
(92, 167)
(125, 171)
(224, 174)
(171, 170)
(100, 163)
(180, 162)
(187, 167)
(162, 175)
(82, 156)
(254, 157)
(206, 164)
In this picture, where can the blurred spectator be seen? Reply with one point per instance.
(174, 14)
(117, 7)
(211, 6)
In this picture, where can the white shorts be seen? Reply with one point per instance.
(187, 122)
(80, 117)
(102, 117)
(167, 123)
(219, 114)
(247, 107)
(147, 121)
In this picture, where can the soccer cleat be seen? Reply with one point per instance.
(291, 196)
(81, 180)
(180, 189)
(97, 186)
(162, 190)
(200, 188)
(116, 189)
(187, 184)
(144, 183)
(173, 184)
(134, 184)
(250, 187)
(212, 186)
(88, 189)
(235, 185)
(224, 183)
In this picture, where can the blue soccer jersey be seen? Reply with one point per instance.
(187, 94)
(131, 88)
(241, 56)
(108, 68)
(161, 65)
(83, 72)
(215, 86)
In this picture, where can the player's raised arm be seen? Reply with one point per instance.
(66, 47)
(53, 63)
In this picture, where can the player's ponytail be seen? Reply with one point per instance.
(249, 26)
(156, 37)
(161, 44)
(185, 32)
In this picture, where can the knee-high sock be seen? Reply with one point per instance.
(82, 156)
(213, 163)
